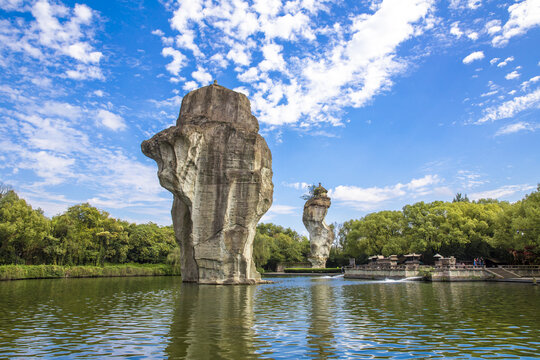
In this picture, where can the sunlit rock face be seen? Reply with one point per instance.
(320, 234)
(219, 170)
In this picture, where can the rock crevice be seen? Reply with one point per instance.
(219, 170)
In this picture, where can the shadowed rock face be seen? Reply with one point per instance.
(320, 235)
(219, 170)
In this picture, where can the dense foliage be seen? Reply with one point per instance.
(274, 244)
(496, 230)
(84, 235)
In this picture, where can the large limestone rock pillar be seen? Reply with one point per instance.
(219, 170)
(321, 236)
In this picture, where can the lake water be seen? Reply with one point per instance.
(299, 317)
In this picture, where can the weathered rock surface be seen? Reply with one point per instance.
(219, 170)
(320, 234)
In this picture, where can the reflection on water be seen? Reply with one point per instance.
(210, 320)
(300, 317)
(321, 321)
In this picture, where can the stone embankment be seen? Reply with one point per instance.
(421, 273)
(447, 273)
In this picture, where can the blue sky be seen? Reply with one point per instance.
(385, 102)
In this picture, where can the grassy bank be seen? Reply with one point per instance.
(17, 272)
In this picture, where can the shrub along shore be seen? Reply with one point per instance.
(19, 272)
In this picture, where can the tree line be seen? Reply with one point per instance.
(499, 231)
(82, 235)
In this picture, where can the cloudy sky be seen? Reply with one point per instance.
(385, 102)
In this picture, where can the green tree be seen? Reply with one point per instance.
(518, 230)
(375, 234)
(274, 244)
(89, 236)
(22, 230)
(150, 243)
(460, 198)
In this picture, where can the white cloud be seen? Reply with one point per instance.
(82, 52)
(239, 54)
(277, 209)
(473, 35)
(282, 209)
(99, 93)
(512, 107)
(454, 30)
(54, 169)
(470, 179)
(42, 82)
(493, 27)
(373, 197)
(83, 72)
(57, 145)
(493, 61)
(273, 59)
(513, 75)
(58, 109)
(474, 4)
(174, 102)
(501, 192)
(202, 76)
(351, 63)
(416, 184)
(178, 61)
(51, 34)
(505, 62)
(523, 16)
(10, 5)
(465, 4)
(187, 40)
(112, 121)
(297, 185)
(514, 128)
(489, 93)
(250, 75)
(477, 55)
(190, 85)
(64, 37)
(525, 85)
(220, 60)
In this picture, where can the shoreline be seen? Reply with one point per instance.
(27, 272)
(524, 274)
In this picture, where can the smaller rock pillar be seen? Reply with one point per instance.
(321, 236)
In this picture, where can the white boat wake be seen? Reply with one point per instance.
(331, 277)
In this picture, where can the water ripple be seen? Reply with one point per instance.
(293, 318)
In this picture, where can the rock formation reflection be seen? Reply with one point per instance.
(320, 335)
(213, 322)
